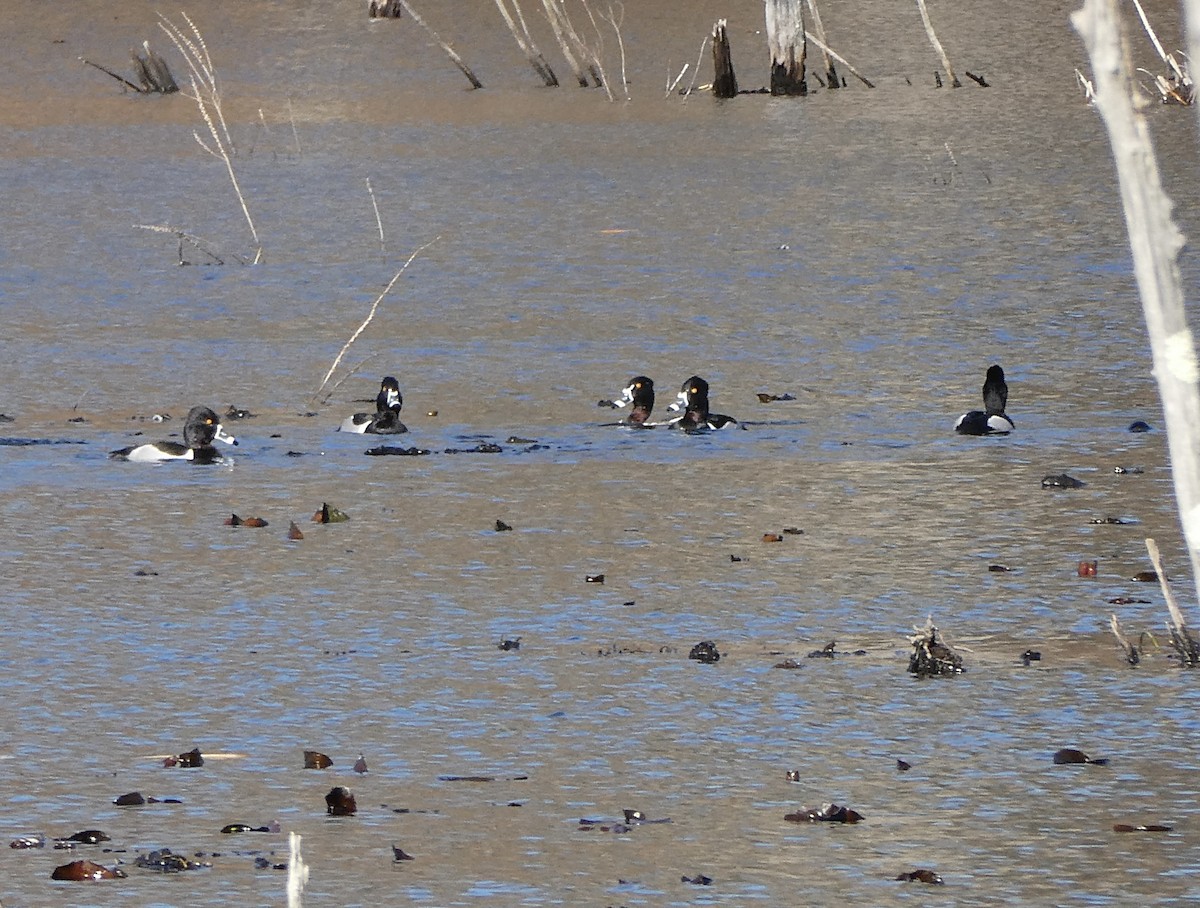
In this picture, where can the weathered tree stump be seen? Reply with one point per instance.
(931, 655)
(383, 9)
(785, 34)
(724, 81)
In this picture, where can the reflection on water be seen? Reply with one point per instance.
(868, 253)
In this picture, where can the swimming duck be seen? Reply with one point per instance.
(693, 400)
(640, 393)
(386, 418)
(991, 420)
(201, 429)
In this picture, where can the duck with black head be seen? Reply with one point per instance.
(640, 394)
(201, 429)
(991, 420)
(693, 400)
(386, 418)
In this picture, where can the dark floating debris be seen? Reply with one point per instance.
(1145, 577)
(826, 813)
(483, 779)
(314, 759)
(771, 398)
(1128, 600)
(1068, 755)
(787, 663)
(81, 871)
(793, 775)
(637, 818)
(594, 578)
(132, 799)
(698, 880)
(1088, 568)
(294, 531)
(826, 652)
(1139, 426)
(190, 760)
(384, 9)
(502, 527)
(399, 854)
(1148, 827)
(395, 451)
(235, 828)
(360, 765)
(1128, 471)
(340, 802)
(264, 864)
(164, 860)
(518, 440)
(793, 531)
(509, 643)
(234, 521)
(28, 841)
(485, 447)
(931, 655)
(588, 825)
(326, 514)
(1031, 655)
(1061, 481)
(143, 572)
(902, 765)
(239, 413)
(735, 558)
(999, 568)
(772, 537)
(705, 652)
(921, 875)
(1109, 520)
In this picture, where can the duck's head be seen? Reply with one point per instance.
(389, 397)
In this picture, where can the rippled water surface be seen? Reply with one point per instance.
(868, 253)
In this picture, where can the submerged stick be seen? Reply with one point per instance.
(370, 315)
(830, 73)
(846, 63)
(108, 71)
(568, 41)
(525, 43)
(378, 219)
(937, 45)
(454, 57)
(1181, 637)
(1131, 652)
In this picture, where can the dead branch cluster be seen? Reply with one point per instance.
(1174, 86)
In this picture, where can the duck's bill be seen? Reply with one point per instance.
(224, 436)
(680, 403)
(625, 399)
(393, 399)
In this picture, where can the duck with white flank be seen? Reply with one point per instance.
(386, 418)
(693, 400)
(201, 429)
(991, 420)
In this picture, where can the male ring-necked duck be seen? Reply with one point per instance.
(991, 420)
(640, 393)
(693, 400)
(386, 418)
(201, 429)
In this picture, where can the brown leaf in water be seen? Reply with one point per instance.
(294, 531)
(314, 759)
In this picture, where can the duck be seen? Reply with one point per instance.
(991, 420)
(200, 430)
(640, 393)
(693, 400)
(386, 418)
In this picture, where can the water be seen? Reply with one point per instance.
(869, 252)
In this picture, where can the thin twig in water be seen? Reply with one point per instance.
(616, 22)
(595, 54)
(295, 133)
(371, 314)
(671, 86)
(353, 370)
(696, 71)
(846, 63)
(378, 220)
(196, 242)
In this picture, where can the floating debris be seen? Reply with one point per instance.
(1128, 471)
(793, 775)
(360, 765)
(1139, 426)
(1068, 755)
(164, 860)
(502, 527)
(326, 514)
(1145, 577)
(483, 779)
(921, 875)
(594, 578)
(234, 521)
(399, 854)
(518, 440)
(1148, 827)
(143, 572)
(486, 447)
(239, 413)
(509, 643)
(394, 451)
(787, 663)
(294, 531)
(705, 652)
(80, 871)
(314, 759)
(931, 655)
(236, 828)
(793, 531)
(132, 799)
(826, 813)
(698, 880)
(772, 537)
(826, 652)
(1031, 655)
(771, 398)
(1088, 568)
(1062, 481)
(340, 802)
(999, 568)
(735, 558)
(87, 837)
(1128, 600)
(28, 841)
(902, 765)
(636, 818)
(588, 825)
(1109, 520)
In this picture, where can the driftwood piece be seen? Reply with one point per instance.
(151, 71)
(937, 46)
(724, 81)
(450, 52)
(525, 41)
(575, 51)
(786, 40)
(846, 63)
(1131, 652)
(1181, 638)
(931, 654)
(1155, 242)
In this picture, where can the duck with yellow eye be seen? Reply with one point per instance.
(386, 418)
(640, 394)
(693, 400)
(201, 429)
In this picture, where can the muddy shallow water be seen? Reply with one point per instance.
(867, 252)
